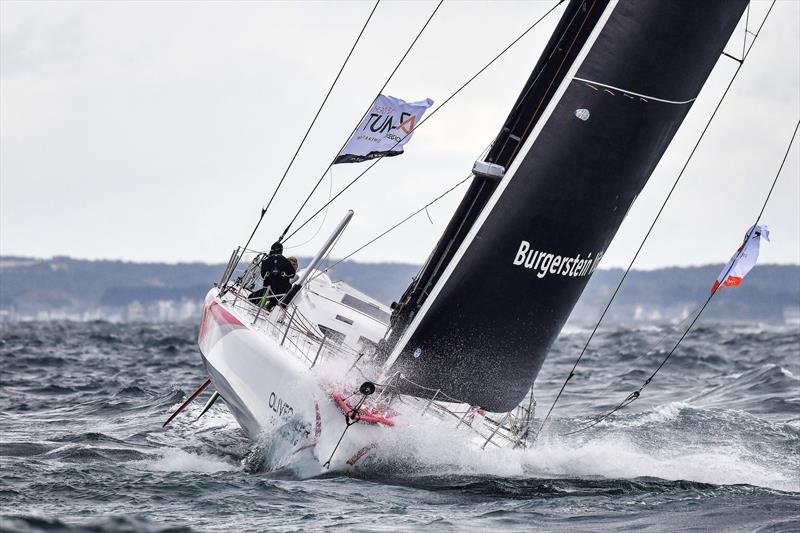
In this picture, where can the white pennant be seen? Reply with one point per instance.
(743, 260)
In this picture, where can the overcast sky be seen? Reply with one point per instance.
(155, 131)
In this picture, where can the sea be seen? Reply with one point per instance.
(712, 444)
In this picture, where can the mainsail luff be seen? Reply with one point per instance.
(485, 329)
(535, 95)
(570, 35)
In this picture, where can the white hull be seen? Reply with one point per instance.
(271, 392)
(289, 387)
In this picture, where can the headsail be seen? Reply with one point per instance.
(601, 107)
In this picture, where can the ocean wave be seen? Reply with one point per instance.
(626, 454)
(714, 438)
(177, 460)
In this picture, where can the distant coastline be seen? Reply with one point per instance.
(63, 288)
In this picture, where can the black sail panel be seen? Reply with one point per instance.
(574, 28)
(484, 332)
(571, 33)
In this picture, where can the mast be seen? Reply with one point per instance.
(600, 108)
(318, 258)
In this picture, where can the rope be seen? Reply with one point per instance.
(746, 24)
(388, 383)
(406, 219)
(760, 213)
(635, 394)
(380, 91)
(324, 217)
(409, 217)
(423, 121)
(671, 329)
(650, 229)
(431, 389)
(313, 121)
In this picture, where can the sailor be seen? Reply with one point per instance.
(293, 260)
(277, 272)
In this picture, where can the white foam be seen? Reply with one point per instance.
(176, 460)
(439, 451)
(571, 329)
(620, 457)
(659, 415)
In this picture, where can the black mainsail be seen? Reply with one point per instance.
(600, 108)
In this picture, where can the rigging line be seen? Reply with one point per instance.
(335, 242)
(310, 126)
(324, 217)
(388, 383)
(380, 91)
(726, 54)
(758, 31)
(430, 389)
(425, 119)
(672, 329)
(533, 119)
(637, 393)
(324, 100)
(541, 71)
(368, 378)
(786, 155)
(650, 229)
(593, 421)
(746, 24)
(531, 85)
(325, 258)
(409, 217)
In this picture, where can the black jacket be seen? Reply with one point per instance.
(277, 272)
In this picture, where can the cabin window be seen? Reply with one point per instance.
(367, 308)
(337, 337)
(366, 345)
(344, 319)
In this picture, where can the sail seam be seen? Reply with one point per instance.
(626, 92)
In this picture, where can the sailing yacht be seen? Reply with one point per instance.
(332, 371)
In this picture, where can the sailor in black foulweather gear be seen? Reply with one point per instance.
(277, 272)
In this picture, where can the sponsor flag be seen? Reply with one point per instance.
(385, 129)
(743, 260)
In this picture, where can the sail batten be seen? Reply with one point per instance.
(587, 150)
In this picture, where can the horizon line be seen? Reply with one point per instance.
(5, 257)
